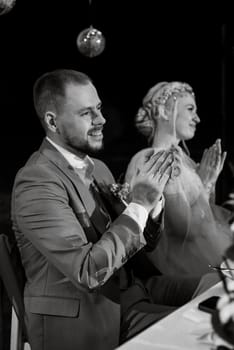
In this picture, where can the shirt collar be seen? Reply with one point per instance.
(85, 164)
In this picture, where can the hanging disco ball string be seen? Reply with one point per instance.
(6, 6)
(90, 41)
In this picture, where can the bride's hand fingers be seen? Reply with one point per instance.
(165, 170)
(157, 161)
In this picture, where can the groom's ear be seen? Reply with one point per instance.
(162, 112)
(50, 121)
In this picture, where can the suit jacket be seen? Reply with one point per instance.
(71, 255)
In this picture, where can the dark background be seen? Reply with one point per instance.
(141, 50)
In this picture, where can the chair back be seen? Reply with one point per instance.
(13, 277)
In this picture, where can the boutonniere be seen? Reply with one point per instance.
(121, 191)
(116, 197)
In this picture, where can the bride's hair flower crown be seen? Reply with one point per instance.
(172, 89)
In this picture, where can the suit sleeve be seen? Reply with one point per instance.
(44, 215)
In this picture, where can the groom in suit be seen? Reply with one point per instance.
(89, 283)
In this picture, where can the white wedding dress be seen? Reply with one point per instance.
(196, 233)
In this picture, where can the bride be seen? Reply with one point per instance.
(196, 231)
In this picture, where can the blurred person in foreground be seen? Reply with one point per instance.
(223, 317)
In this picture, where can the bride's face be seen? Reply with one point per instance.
(186, 117)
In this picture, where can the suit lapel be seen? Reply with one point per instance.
(94, 214)
(114, 206)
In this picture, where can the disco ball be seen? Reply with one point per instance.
(6, 6)
(91, 42)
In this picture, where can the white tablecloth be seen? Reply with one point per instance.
(187, 328)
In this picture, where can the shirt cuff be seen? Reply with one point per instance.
(138, 213)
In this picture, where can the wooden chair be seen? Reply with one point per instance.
(13, 277)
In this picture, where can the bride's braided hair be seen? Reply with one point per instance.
(159, 94)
